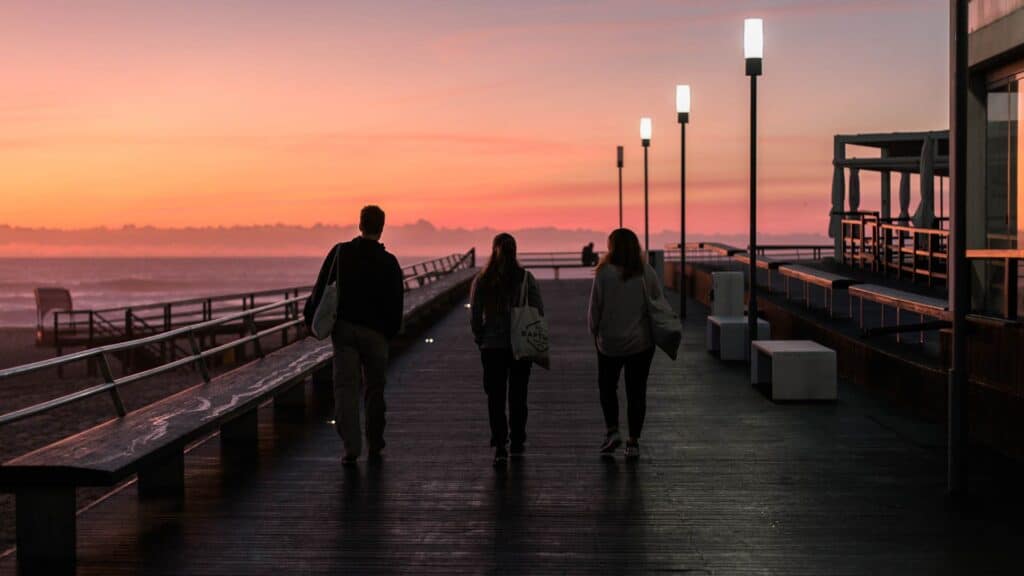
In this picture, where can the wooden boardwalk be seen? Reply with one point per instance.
(728, 483)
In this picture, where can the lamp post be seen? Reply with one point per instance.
(683, 111)
(645, 141)
(753, 48)
(619, 154)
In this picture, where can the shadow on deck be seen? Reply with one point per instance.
(728, 483)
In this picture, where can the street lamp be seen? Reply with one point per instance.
(645, 141)
(619, 156)
(753, 49)
(683, 110)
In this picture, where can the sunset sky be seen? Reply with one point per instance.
(464, 113)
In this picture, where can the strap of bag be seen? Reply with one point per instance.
(522, 290)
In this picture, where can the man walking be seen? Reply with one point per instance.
(370, 294)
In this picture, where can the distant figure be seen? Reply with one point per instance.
(369, 314)
(621, 327)
(495, 291)
(589, 257)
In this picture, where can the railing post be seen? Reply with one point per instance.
(59, 349)
(197, 353)
(109, 378)
(251, 323)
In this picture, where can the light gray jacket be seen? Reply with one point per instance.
(618, 314)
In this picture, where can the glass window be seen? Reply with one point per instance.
(1004, 189)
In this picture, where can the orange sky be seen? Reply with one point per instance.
(463, 113)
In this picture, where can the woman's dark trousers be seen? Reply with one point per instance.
(505, 379)
(637, 367)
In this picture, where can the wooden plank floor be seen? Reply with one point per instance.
(729, 483)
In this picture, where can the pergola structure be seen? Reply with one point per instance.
(923, 153)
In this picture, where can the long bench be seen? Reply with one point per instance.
(902, 301)
(771, 265)
(151, 441)
(810, 276)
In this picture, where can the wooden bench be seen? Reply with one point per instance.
(794, 369)
(902, 300)
(810, 276)
(763, 263)
(150, 442)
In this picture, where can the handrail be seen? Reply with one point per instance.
(163, 316)
(129, 344)
(915, 229)
(197, 356)
(187, 301)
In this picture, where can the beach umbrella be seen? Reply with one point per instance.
(924, 217)
(904, 195)
(854, 189)
(838, 197)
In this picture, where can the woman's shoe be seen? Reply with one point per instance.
(611, 442)
(500, 456)
(633, 450)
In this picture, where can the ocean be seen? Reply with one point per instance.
(111, 282)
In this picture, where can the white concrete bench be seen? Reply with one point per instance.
(727, 294)
(726, 336)
(794, 369)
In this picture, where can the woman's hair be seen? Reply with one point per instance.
(624, 252)
(499, 279)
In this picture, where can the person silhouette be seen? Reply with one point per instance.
(370, 308)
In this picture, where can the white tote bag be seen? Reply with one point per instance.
(327, 310)
(529, 330)
(666, 331)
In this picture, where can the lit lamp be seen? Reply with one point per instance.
(683, 110)
(645, 141)
(619, 158)
(753, 49)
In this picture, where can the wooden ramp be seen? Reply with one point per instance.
(729, 483)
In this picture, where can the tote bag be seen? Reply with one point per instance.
(529, 330)
(327, 310)
(666, 331)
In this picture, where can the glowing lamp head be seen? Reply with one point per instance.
(645, 131)
(683, 102)
(753, 44)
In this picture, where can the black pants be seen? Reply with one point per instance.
(638, 367)
(505, 378)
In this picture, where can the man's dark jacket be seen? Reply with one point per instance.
(371, 290)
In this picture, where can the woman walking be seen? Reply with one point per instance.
(495, 291)
(620, 323)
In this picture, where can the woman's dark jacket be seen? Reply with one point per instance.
(494, 330)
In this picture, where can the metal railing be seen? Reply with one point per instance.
(913, 251)
(92, 327)
(290, 308)
(718, 253)
(197, 357)
(556, 260)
